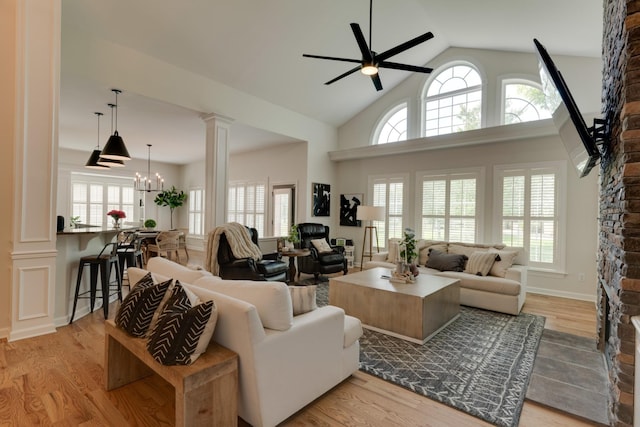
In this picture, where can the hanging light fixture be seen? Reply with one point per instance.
(110, 162)
(145, 183)
(114, 148)
(92, 163)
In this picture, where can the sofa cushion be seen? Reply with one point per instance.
(493, 284)
(303, 299)
(501, 265)
(446, 262)
(352, 330)
(174, 270)
(271, 299)
(425, 245)
(184, 328)
(137, 309)
(330, 258)
(480, 263)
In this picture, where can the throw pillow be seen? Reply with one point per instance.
(423, 252)
(321, 245)
(137, 309)
(184, 328)
(480, 263)
(303, 299)
(500, 267)
(446, 262)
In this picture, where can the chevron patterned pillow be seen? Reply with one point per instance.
(184, 328)
(136, 311)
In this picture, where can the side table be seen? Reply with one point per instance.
(292, 254)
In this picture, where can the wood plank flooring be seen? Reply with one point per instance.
(57, 379)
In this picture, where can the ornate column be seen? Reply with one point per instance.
(35, 159)
(217, 176)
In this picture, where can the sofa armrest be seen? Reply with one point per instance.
(519, 274)
(379, 256)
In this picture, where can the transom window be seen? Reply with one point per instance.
(524, 101)
(393, 126)
(453, 101)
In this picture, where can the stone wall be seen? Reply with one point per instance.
(619, 238)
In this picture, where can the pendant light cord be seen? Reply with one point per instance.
(97, 113)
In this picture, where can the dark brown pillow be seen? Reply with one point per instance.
(446, 262)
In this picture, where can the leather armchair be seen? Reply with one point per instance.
(318, 263)
(270, 267)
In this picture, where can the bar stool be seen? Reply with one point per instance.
(103, 262)
(129, 252)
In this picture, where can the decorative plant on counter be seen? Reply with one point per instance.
(150, 224)
(117, 216)
(172, 198)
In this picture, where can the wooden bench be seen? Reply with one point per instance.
(206, 392)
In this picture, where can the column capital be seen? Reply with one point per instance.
(215, 116)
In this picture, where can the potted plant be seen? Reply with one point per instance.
(294, 235)
(408, 251)
(172, 198)
(116, 215)
(150, 224)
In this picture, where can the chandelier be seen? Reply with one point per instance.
(146, 183)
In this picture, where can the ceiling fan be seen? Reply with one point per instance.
(372, 61)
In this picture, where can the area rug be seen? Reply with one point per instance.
(480, 364)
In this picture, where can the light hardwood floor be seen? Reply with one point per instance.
(57, 379)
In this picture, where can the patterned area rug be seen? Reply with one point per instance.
(480, 364)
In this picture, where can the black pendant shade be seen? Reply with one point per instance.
(115, 148)
(110, 162)
(93, 162)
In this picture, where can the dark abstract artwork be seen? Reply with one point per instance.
(348, 206)
(321, 199)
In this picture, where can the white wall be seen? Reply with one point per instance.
(583, 75)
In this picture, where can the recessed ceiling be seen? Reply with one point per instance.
(257, 47)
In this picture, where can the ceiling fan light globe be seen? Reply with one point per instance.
(369, 70)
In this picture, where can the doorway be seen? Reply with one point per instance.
(284, 209)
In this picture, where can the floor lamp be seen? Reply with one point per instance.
(369, 213)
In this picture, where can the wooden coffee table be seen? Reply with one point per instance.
(413, 311)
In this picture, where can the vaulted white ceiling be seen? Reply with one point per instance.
(256, 47)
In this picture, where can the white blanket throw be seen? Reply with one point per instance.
(239, 241)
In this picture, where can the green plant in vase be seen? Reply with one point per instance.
(172, 198)
(150, 224)
(294, 235)
(408, 251)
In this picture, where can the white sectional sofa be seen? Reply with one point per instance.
(285, 361)
(503, 289)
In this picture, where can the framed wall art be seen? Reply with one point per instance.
(321, 199)
(348, 206)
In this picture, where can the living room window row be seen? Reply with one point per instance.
(452, 101)
(528, 209)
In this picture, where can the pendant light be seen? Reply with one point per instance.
(110, 162)
(115, 148)
(92, 163)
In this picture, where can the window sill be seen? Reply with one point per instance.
(493, 134)
(541, 272)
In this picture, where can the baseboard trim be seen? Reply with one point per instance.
(562, 294)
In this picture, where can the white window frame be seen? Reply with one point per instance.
(103, 181)
(388, 179)
(255, 210)
(432, 78)
(558, 168)
(384, 120)
(449, 175)
(196, 212)
(503, 93)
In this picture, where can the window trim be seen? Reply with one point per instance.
(384, 118)
(560, 168)
(479, 172)
(432, 76)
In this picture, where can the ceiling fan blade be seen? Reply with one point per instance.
(362, 43)
(376, 81)
(333, 58)
(351, 71)
(404, 46)
(404, 67)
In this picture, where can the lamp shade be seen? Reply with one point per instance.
(370, 213)
(115, 148)
(92, 163)
(110, 163)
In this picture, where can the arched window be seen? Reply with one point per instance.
(523, 101)
(393, 126)
(453, 101)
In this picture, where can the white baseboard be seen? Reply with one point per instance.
(32, 332)
(562, 294)
(4, 333)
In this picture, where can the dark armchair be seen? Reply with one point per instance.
(318, 262)
(270, 267)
